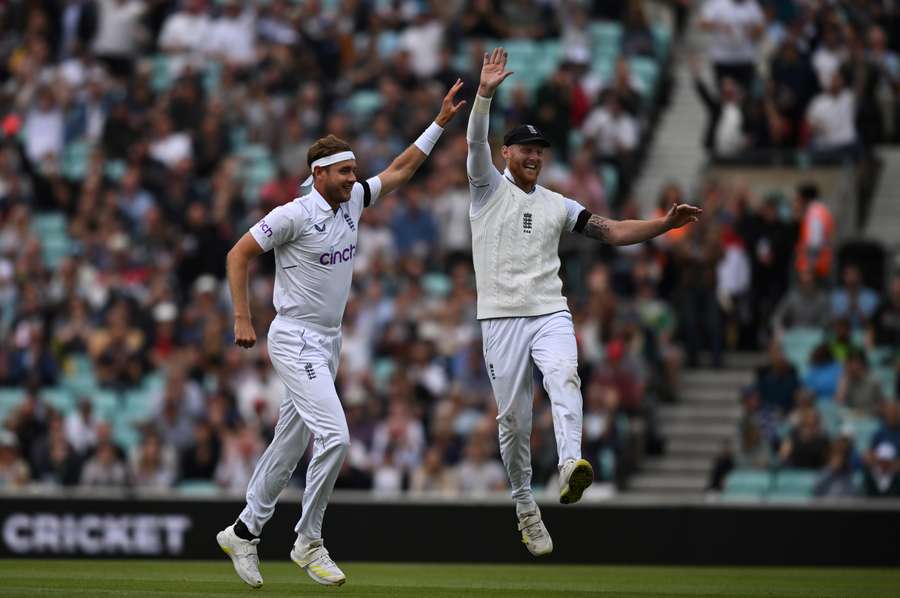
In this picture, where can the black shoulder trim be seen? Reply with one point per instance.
(583, 218)
(367, 193)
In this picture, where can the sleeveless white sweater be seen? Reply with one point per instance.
(515, 250)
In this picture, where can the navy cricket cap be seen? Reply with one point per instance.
(525, 134)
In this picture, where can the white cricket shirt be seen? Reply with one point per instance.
(314, 250)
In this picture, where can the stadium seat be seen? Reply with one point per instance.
(114, 169)
(436, 284)
(799, 343)
(605, 35)
(58, 397)
(662, 36)
(10, 398)
(793, 483)
(363, 103)
(198, 488)
(646, 71)
(864, 429)
(747, 483)
(74, 160)
(832, 416)
(161, 78)
(610, 180)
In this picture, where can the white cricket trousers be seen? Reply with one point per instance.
(511, 346)
(306, 359)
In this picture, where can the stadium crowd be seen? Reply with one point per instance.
(825, 400)
(788, 74)
(141, 139)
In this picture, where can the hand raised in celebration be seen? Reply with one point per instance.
(681, 214)
(448, 107)
(493, 72)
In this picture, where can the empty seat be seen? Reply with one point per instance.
(793, 483)
(747, 483)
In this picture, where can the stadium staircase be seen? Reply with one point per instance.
(677, 153)
(884, 217)
(696, 428)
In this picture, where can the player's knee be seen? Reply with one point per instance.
(338, 440)
(562, 378)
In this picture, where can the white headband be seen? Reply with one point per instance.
(306, 185)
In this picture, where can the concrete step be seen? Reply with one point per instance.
(726, 395)
(704, 446)
(677, 465)
(668, 483)
(676, 429)
(700, 413)
(736, 377)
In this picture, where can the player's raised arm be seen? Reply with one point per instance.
(479, 165)
(406, 164)
(628, 232)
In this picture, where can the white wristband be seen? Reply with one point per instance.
(428, 138)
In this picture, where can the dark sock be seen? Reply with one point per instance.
(241, 531)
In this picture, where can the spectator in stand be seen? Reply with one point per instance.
(242, 449)
(886, 63)
(885, 324)
(777, 382)
(830, 55)
(152, 464)
(836, 480)
(890, 426)
(726, 115)
(105, 467)
(433, 477)
(479, 472)
(881, 479)
(817, 234)
(199, 461)
(807, 446)
(853, 300)
(736, 28)
(637, 38)
(614, 134)
(794, 84)
(805, 306)
(858, 389)
(831, 118)
(13, 469)
(824, 373)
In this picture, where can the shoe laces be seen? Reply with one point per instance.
(530, 524)
(247, 551)
(320, 554)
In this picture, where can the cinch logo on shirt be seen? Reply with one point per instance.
(337, 257)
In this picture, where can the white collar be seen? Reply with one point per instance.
(512, 180)
(320, 201)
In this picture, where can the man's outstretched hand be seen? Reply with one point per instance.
(493, 72)
(448, 107)
(681, 214)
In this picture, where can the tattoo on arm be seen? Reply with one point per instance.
(597, 227)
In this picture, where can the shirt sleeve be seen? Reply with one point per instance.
(483, 176)
(576, 216)
(281, 225)
(368, 191)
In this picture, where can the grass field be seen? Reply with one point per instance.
(129, 579)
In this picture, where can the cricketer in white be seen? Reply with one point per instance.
(525, 321)
(315, 239)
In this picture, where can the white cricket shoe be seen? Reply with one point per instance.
(318, 564)
(243, 555)
(575, 476)
(534, 535)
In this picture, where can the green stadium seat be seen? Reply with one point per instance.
(58, 397)
(864, 429)
(799, 343)
(125, 434)
(606, 34)
(662, 36)
(10, 398)
(436, 284)
(115, 169)
(610, 180)
(832, 416)
(198, 488)
(365, 102)
(646, 71)
(48, 222)
(161, 76)
(747, 483)
(75, 160)
(793, 483)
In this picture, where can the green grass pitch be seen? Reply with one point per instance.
(133, 579)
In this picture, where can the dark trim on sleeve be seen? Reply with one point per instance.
(582, 221)
(367, 193)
